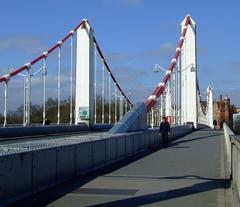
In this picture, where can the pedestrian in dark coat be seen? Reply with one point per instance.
(214, 124)
(164, 130)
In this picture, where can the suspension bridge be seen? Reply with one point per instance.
(124, 164)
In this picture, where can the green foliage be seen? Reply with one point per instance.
(16, 117)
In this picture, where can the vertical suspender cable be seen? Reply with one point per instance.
(71, 80)
(126, 105)
(156, 115)
(177, 92)
(44, 73)
(170, 96)
(109, 99)
(95, 84)
(59, 83)
(152, 118)
(115, 100)
(175, 95)
(5, 102)
(103, 86)
(120, 106)
(24, 100)
(180, 88)
(173, 100)
(29, 98)
(160, 108)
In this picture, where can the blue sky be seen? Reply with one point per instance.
(133, 34)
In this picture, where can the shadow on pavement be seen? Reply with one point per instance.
(48, 196)
(174, 143)
(210, 184)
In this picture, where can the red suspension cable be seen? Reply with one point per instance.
(161, 86)
(50, 50)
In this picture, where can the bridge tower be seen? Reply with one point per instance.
(189, 105)
(210, 106)
(84, 103)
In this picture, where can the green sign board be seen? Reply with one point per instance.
(84, 113)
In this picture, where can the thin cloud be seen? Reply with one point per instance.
(233, 65)
(4, 71)
(165, 50)
(128, 75)
(117, 56)
(229, 82)
(15, 86)
(169, 26)
(29, 43)
(141, 93)
(202, 51)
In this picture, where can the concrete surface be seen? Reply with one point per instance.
(190, 172)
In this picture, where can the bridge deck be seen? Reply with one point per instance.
(188, 173)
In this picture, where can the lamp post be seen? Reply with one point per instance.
(157, 69)
(174, 88)
(27, 92)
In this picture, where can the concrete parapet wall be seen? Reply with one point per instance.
(232, 148)
(25, 173)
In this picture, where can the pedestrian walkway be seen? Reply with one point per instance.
(188, 173)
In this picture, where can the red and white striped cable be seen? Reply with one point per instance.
(43, 55)
(26, 66)
(151, 101)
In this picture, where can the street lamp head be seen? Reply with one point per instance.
(156, 69)
(192, 69)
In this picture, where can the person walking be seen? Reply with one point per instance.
(164, 130)
(214, 124)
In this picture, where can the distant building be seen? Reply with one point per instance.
(223, 111)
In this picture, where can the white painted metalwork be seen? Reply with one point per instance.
(71, 80)
(59, 85)
(120, 106)
(189, 77)
(103, 94)
(84, 93)
(95, 84)
(115, 100)
(5, 102)
(109, 100)
(126, 106)
(44, 73)
(152, 117)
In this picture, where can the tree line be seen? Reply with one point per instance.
(36, 114)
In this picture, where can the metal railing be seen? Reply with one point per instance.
(232, 143)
